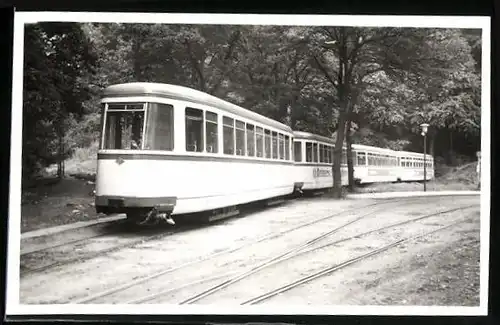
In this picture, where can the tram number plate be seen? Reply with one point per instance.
(117, 203)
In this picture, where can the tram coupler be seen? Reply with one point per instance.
(297, 188)
(159, 214)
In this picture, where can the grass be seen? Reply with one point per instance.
(53, 202)
(83, 161)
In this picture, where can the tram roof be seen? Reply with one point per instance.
(372, 148)
(187, 94)
(413, 154)
(311, 136)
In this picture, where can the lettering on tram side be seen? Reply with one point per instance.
(317, 172)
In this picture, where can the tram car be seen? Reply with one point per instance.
(170, 150)
(313, 156)
(374, 165)
(411, 166)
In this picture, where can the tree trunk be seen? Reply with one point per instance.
(450, 150)
(60, 163)
(350, 167)
(337, 157)
(432, 140)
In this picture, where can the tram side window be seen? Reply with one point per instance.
(268, 143)
(194, 129)
(281, 146)
(328, 154)
(275, 145)
(309, 152)
(315, 152)
(297, 150)
(228, 135)
(124, 128)
(259, 137)
(287, 147)
(361, 158)
(250, 140)
(159, 127)
(240, 138)
(211, 133)
(321, 154)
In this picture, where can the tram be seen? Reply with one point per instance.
(169, 150)
(411, 166)
(313, 156)
(374, 165)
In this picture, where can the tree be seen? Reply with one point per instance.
(57, 58)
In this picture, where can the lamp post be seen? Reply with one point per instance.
(425, 127)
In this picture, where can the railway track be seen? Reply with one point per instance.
(47, 242)
(108, 242)
(56, 254)
(170, 272)
(308, 247)
(336, 267)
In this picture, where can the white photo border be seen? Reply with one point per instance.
(13, 307)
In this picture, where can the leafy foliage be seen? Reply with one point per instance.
(383, 82)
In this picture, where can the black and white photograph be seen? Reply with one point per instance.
(249, 164)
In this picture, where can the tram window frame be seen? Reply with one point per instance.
(259, 141)
(240, 137)
(250, 139)
(361, 155)
(228, 135)
(118, 111)
(211, 132)
(281, 146)
(315, 152)
(274, 145)
(287, 147)
(196, 116)
(321, 153)
(267, 144)
(297, 151)
(309, 152)
(327, 154)
(160, 127)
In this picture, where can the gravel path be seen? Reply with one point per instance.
(372, 279)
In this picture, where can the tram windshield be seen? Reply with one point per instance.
(139, 126)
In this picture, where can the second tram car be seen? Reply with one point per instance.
(374, 165)
(411, 166)
(313, 155)
(173, 150)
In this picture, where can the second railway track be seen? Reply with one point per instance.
(178, 276)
